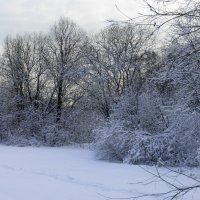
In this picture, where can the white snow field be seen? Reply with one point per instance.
(67, 173)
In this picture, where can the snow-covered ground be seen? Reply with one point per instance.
(28, 173)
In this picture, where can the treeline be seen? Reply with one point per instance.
(56, 87)
(138, 103)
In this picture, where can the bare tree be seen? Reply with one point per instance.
(65, 43)
(23, 66)
(167, 13)
(114, 58)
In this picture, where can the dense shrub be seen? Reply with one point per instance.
(178, 145)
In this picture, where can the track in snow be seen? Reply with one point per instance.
(28, 173)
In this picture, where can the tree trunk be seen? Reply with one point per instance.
(59, 100)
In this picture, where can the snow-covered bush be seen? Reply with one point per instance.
(55, 135)
(112, 141)
(140, 112)
(176, 146)
(152, 118)
(80, 123)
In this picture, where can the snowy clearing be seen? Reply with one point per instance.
(28, 173)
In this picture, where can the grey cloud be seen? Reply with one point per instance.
(19, 16)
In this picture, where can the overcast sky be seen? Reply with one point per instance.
(20, 16)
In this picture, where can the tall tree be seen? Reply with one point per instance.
(24, 67)
(115, 58)
(65, 44)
